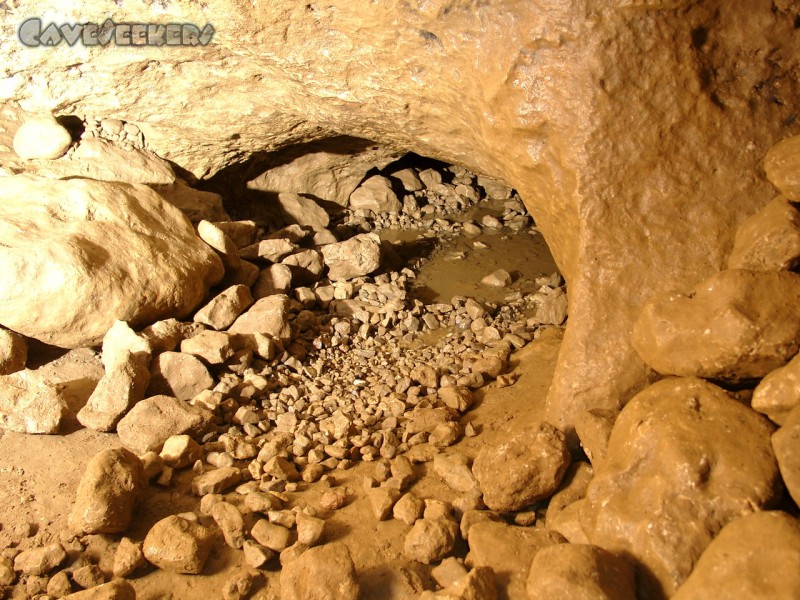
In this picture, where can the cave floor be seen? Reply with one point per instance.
(38, 496)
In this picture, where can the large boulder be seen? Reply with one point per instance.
(79, 254)
(674, 475)
(329, 169)
(580, 572)
(736, 325)
(769, 240)
(516, 472)
(637, 165)
(755, 557)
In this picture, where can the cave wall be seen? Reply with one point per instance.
(633, 130)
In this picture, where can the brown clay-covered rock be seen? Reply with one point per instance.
(737, 325)
(754, 557)
(782, 165)
(674, 475)
(508, 550)
(108, 492)
(320, 573)
(579, 572)
(179, 545)
(528, 467)
(769, 240)
(779, 392)
(786, 444)
(93, 252)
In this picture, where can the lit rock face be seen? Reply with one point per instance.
(78, 254)
(634, 131)
(674, 475)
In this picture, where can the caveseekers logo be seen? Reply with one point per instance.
(33, 34)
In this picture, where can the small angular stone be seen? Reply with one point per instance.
(216, 481)
(230, 522)
(40, 561)
(273, 536)
(128, 557)
(382, 500)
(108, 492)
(430, 540)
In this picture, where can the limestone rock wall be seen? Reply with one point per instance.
(633, 130)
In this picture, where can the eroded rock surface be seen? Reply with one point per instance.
(737, 325)
(673, 468)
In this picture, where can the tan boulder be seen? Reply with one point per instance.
(736, 325)
(375, 194)
(154, 420)
(779, 392)
(41, 136)
(195, 204)
(769, 240)
(269, 316)
(754, 557)
(320, 572)
(508, 550)
(330, 169)
(782, 165)
(102, 160)
(179, 374)
(579, 572)
(90, 253)
(13, 352)
(673, 468)
(785, 443)
(360, 255)
(178, 545)
(517, 472)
